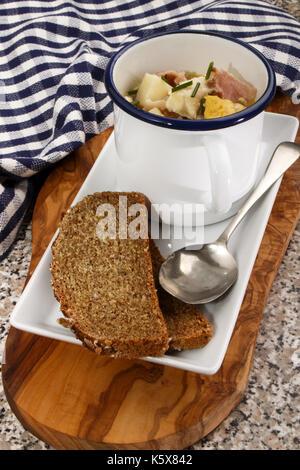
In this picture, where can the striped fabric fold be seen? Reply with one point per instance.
(52, 60)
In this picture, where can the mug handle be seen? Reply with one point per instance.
(220, 173)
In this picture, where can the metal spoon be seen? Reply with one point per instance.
(202, 275)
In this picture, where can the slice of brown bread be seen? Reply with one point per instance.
(105, 287)
(187, 326)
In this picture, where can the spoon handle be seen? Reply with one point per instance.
(283, 157)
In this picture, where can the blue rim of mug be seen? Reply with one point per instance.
(186, 124)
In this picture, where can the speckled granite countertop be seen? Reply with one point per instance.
(268, 416)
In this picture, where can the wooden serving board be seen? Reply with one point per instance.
(73, 399)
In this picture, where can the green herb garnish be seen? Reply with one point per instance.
(202, 107)
(164, 78)
(195, 90)
(182, 85)
(136, 103)
(132, 92)
(209, 71)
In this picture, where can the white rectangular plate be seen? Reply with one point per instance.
(37, 310)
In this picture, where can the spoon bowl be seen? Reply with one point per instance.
(198, 276)
(212, 267)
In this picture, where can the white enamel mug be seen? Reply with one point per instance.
(209, 163)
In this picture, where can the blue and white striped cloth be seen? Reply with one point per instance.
(52, 58)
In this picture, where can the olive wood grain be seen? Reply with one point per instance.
(73, 399)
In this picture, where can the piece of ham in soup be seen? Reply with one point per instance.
(226, 86)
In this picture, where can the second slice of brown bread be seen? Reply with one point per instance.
(105, 286)
(187, 326)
